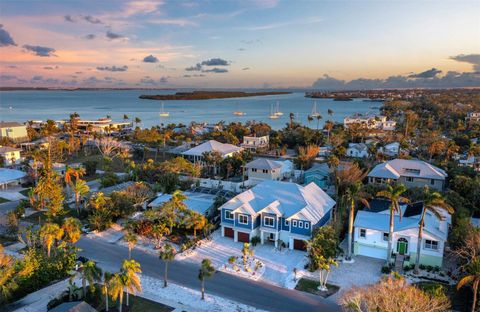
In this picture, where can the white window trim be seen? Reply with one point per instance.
(294, 223)
(307, 225)
(360, 233)
(431, 241)
(300, 224)
(287, 223)
(239, 217)
(231, 213)
(383, 236)
(271, 218)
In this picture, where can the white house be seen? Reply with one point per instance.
(357, 150)
(10, 177)
(391, 149)
(262, 169)
(372, 230)
(276, 212)
(254, 142)
(11, 156)
(14, 131)
(372, 122)
(195, 154)
(198, 202)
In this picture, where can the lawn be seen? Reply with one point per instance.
(139, 304)
(3, 200)
(311, 286)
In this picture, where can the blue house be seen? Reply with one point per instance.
(318, 174)
(276, 212)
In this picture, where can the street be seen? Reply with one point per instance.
(258, 294)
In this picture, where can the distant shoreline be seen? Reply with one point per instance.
(207, 95)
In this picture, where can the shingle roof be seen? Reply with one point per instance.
(75, 306)
(211, 146)
(395, 168)
(263, 163)
(286, 197)
(5, 124)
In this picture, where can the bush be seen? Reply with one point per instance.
(90, 167)
(386, 269)
(109, 179)
(408, 267)
(255, 240)
(422, 267)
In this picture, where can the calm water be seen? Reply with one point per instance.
(41, 105)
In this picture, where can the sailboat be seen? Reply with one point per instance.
(163, 113)
(277, 111)
(273, 114)
(238, 112)
(314, 110)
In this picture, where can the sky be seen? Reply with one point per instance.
(240, 44)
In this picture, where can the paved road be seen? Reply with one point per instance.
(258, 294)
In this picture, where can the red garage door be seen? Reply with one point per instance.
(228, 232)
(243, 237)
(299, 244)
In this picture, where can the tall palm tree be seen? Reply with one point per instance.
(107, 279)
(433, 202)
(330, 112)
(167, 254)
(49, 233)
(329, 127)
(130, 270)
(472, 277)
(117, 287)
(137, 121)
(354, 195)
(91, 273)
(195, 221)
(206, 271)
(81, 189)
(394, 194)
(71, 228)
(131, 240)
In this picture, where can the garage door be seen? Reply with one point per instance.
(372, 252)
(243, 237)
(228, 232)
(299, 244)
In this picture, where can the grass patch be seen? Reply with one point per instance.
(36, 217)
(3, 200)
(139, 304)
(311, 286)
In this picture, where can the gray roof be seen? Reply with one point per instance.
(6, 149)
(415, 168)
(263, 163)
(211, 146)
(198, 202)
(5, 124)
(75, 306)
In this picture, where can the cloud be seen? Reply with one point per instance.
(304, 21)
(39, 50)
(197, 67)
(450, 80)
(111, 35)
(37, 78)
(5, 38)
(194, 76)
(113, 68)
(90, 37)
(431, 73)
(216, 70)
(246, 68)
(473, 59)
(92, 20)
(150, 59)
(79, 73)
(147, 80)
(91, 80)
(215, 62)
(69, 18)
(141, 7)
(7, 77)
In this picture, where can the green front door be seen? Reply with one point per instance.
(402, 248)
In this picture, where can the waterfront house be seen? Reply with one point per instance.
(277, 212)
(410, 172)
(262, 169)
(371, 231)
(253, 142)
(371, 122)
(11, 155)
(13, 131)
(101, 125)
(357, 150)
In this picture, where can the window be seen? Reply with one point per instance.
(385, 236)
(228, 215)
(287, 223)
(431, 244)
(265, 171)
(307, 225)
(432, 181)
(294, 223)
(268, 221)
(409, 179)
(363, 233)
(242, 219)
(300, 224)
(254, 169)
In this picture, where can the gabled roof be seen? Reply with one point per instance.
(358, 146)
(395, 168)
(211, 146)
(263, 164)
(286, 197)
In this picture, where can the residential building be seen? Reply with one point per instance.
(470, 161)
(196, 153)
(196, 201)
(101, 125)
(11, 155)
(410, 172)
(357, 150)
(10, 177)
(391, 149)
(318, 174)
(277, 212)
(372, 122)
(371, 232)
(253, 142)
(472, 117)
(262, 169)
(325, 151)
(14, 131)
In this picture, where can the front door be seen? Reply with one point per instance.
(402, 246)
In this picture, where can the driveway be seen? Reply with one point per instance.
(364, 271)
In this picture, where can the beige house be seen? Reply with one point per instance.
(11, 156)
(14, 131)
(262, 169)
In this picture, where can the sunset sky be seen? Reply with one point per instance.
(236, 43)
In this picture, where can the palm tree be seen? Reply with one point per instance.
(292, 118)
(131, 240)
(137, 121)
(195, 221)
(71, 228)
(354, 195)
(206, 271)
(91, 273)
(116, 288)
(330, 112)
(125, 117)
(329, 127)
(167, 254)
(130, 270)
(394, 194)
(433, 202)
(50, 232)
(472, 277)
(80, 188)
(107, 279)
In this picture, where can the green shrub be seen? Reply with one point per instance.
(386, 269)
(109, 179)
(90, 167)
(255, 240)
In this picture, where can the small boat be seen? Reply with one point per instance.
(277, 110)
(238, 112)
(163, 113)
(314, 110)
(273, 115)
